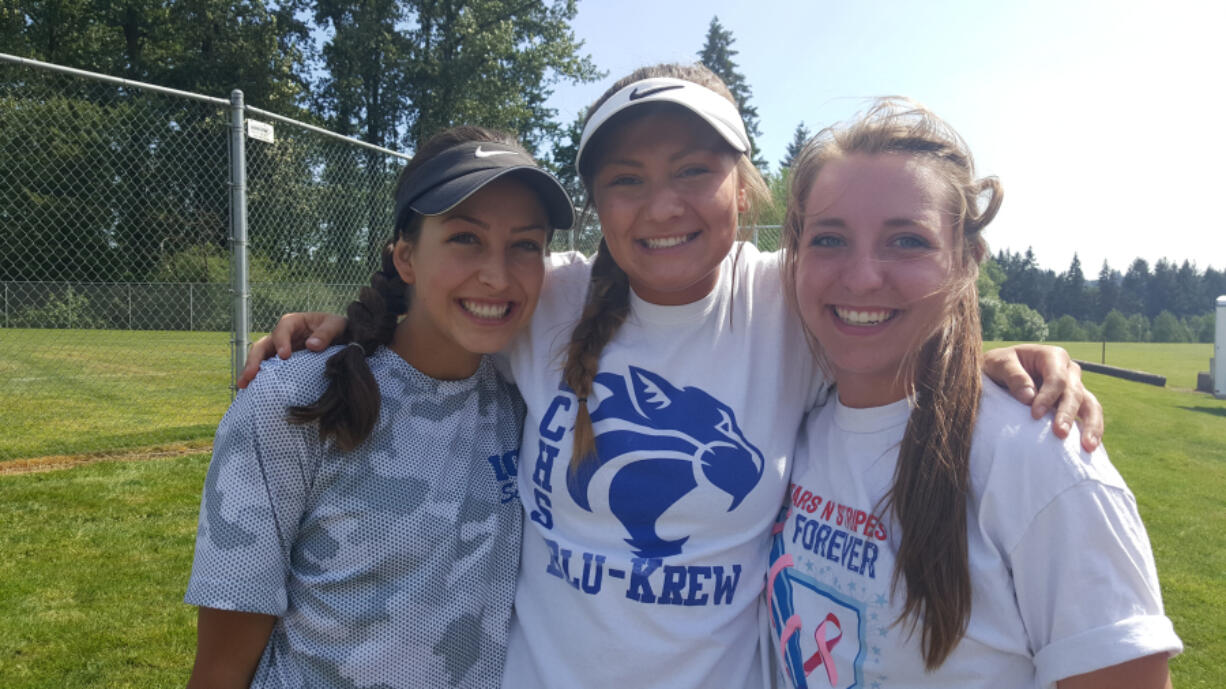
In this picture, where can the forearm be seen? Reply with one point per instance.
(1149, 672)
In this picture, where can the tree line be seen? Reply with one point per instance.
(138, 185)
(1168, 303)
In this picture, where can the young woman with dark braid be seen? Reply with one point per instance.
(665, 381)
(359, 524)
(937, 536)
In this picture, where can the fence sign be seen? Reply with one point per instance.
(260, 131)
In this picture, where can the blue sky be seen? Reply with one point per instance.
(1102, 119)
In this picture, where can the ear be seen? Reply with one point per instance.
(402, 258)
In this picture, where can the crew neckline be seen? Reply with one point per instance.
(871, 419)
(684, 313)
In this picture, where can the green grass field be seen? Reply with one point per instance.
(83, 391)
(1178, 362)
(96, 557)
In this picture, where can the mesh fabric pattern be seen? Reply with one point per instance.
(389, 566)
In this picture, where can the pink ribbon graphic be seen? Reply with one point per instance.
(823, 657)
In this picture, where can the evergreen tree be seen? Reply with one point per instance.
(1213, 285)
(1133, 287)
(796, 145)
(1108, 290)
(1160, 290)
(1025, 283)
(717, 54)
(1069, 292)
(1187, 291)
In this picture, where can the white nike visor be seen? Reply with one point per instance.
(714, 109)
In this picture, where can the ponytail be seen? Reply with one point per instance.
(932, 481)
(348, 409)
(608, 305)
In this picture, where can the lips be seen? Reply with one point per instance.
(487, 310)
(667, 242)
(863, 317)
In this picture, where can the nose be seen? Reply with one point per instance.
(494, 271)
(664, 203)
(863, 272)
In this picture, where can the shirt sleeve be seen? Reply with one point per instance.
(253, 499)
(1086, 584)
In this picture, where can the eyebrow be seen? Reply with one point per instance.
(635, 163)
(839, 223)
(484, 226)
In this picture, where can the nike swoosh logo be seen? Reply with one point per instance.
(486, 154)
(637, 94)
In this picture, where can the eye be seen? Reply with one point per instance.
(827, 241)
(463, 238)
(529, 245)
(693, 170)
(725, 424)
(622, 181)
(910, 241)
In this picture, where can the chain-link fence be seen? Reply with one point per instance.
(124, 212)
(121, 210)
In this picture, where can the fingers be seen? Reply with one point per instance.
(261, 350)
(291, 329)
(326, 329)
(315, 330)
(1055, 370)
(1004, 366)
(1090, 418)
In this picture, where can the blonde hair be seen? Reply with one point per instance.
(608, 298)
(942, 373)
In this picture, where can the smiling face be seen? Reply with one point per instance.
(476, 273)
(874, 269)
(667, 193)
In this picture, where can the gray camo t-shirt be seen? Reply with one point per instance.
(389, 566)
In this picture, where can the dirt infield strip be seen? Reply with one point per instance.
(32, 465)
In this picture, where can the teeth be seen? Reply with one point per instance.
(665, 242)
(855, 317)
(485, 309)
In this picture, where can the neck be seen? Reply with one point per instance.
(862, 391)
(440, 363)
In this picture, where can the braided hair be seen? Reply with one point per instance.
(348, 409)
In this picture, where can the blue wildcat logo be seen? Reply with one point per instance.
(662, 440)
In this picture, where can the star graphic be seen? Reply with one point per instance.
(809, 565)
(883, 632)
(881, 600)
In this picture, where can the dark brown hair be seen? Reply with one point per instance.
(932, 479)
(348, 409)
(608, 297)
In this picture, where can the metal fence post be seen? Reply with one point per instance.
(191, 306)
(238, 235)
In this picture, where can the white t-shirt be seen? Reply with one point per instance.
(645, 571)
(1062, 575)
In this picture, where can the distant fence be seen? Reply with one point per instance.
(159, 305)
